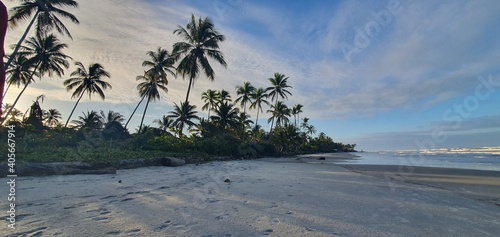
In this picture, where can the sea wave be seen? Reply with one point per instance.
(478, 152)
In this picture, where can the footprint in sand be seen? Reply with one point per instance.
(266, 232)
(108, 197)
(221, 216)
(100, 218)
(227, 235)
(211, 200)
(164, 226)
(126, 199)
(133, 231)
(274, 205)
(74, 206)
(32, 233)
(99, 215)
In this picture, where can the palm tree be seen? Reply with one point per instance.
(296, 110)
(111, 118)
(182, 115)
(112, 127)
(52, 117)
(201, 43)
(150, 88)
(225, 115)
(45, 53)
(245, 93)
(14, 113)
(309, 129)
(278, 89)
(280, 112)
(259, 96)
(244, 120)
(46, 14)
(165, 123)
(224, 97)
(90, 120)
(20, 72)
(243, 127)
(86, 81)
(210, 97)
(161, 63)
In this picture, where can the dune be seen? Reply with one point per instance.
(265, 197)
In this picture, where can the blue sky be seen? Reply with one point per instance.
(388, 74)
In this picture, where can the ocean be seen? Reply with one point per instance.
(483, 158)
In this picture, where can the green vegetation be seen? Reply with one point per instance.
(99, 136)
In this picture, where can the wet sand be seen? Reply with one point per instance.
(266, 197)
(478, 184)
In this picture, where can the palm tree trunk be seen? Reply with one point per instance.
(144, 114)
(18, 45)
(7, 89)
(134, 111)
(272, 123)
(189, 89)
(257, 119)
(71, 114)
(180, 130)
(15, 102)
(185, 104)
(208, 118)
(298, 119)
(19, 96)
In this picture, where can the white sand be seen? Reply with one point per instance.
(265, 197)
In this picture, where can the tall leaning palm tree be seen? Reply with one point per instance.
(278, 89)
(245, 92)
(159, 66)
(46, 14)
(150, 88)
(201, 43)
(45, 52)
(183, 114)
(210, 97)
(259, 96)
(86, 81)
(20, 72)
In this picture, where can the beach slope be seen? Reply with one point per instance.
(266, 197)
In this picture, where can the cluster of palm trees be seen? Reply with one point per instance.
(42, 55)
(224, 115)
(217, 101)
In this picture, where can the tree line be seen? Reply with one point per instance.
(43, 55)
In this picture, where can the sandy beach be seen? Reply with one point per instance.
(266, 197)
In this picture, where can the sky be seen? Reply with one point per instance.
(385, 75)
